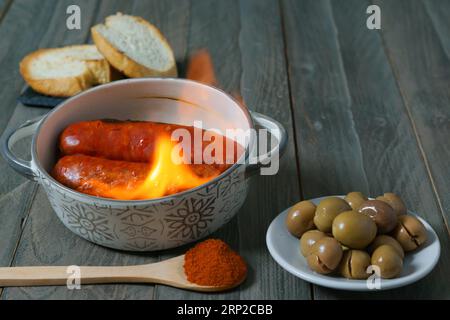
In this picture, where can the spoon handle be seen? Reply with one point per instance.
(42, 276)
(169, 272)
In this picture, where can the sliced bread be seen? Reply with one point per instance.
(66, 71)
(134, 46)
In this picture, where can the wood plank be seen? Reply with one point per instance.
(16, 200)
(214, 26)
(76, 250)
(329, 147)
(347, 69)
(4, 7)
(46, 241)
(15, 191)
(439, 11)
(14, 210)
(421, 63)
(425, 84)
(17, 42)
(265, 89)
(368, 73)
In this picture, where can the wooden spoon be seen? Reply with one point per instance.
(169, 272)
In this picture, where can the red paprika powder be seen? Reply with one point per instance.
(214, 263)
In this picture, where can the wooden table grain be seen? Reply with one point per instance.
(364, 109)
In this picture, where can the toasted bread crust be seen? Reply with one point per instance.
(128, 66)
(63, 87)
(97, 72)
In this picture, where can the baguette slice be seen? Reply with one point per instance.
(64, 72)
(134, 46)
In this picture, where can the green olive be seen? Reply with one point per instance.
(387, 259)
(354, 264)
(308, 239)
(354, 229)
(300, 218)
(355, 199)
(325, 255)
(381, 213)
(395, 202)
(384, 239)
(327, 210)
(410, 233)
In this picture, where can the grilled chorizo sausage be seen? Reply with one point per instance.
(97, 176)
(111, 139)
(130, 141)
(105, 178)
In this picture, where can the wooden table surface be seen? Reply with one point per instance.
(365, 110)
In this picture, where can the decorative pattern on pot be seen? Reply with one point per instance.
(154, 225)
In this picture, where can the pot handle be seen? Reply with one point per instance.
(10, 138)
(278, 131)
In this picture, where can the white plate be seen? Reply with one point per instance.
(285, 249)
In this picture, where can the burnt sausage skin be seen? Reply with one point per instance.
(129, 140)
(97, 176)
(105, 157)
(102, 177)
(115, 140)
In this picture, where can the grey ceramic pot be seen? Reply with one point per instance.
(144, 225)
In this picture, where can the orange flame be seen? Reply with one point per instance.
(167, 175)
(200, 68)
